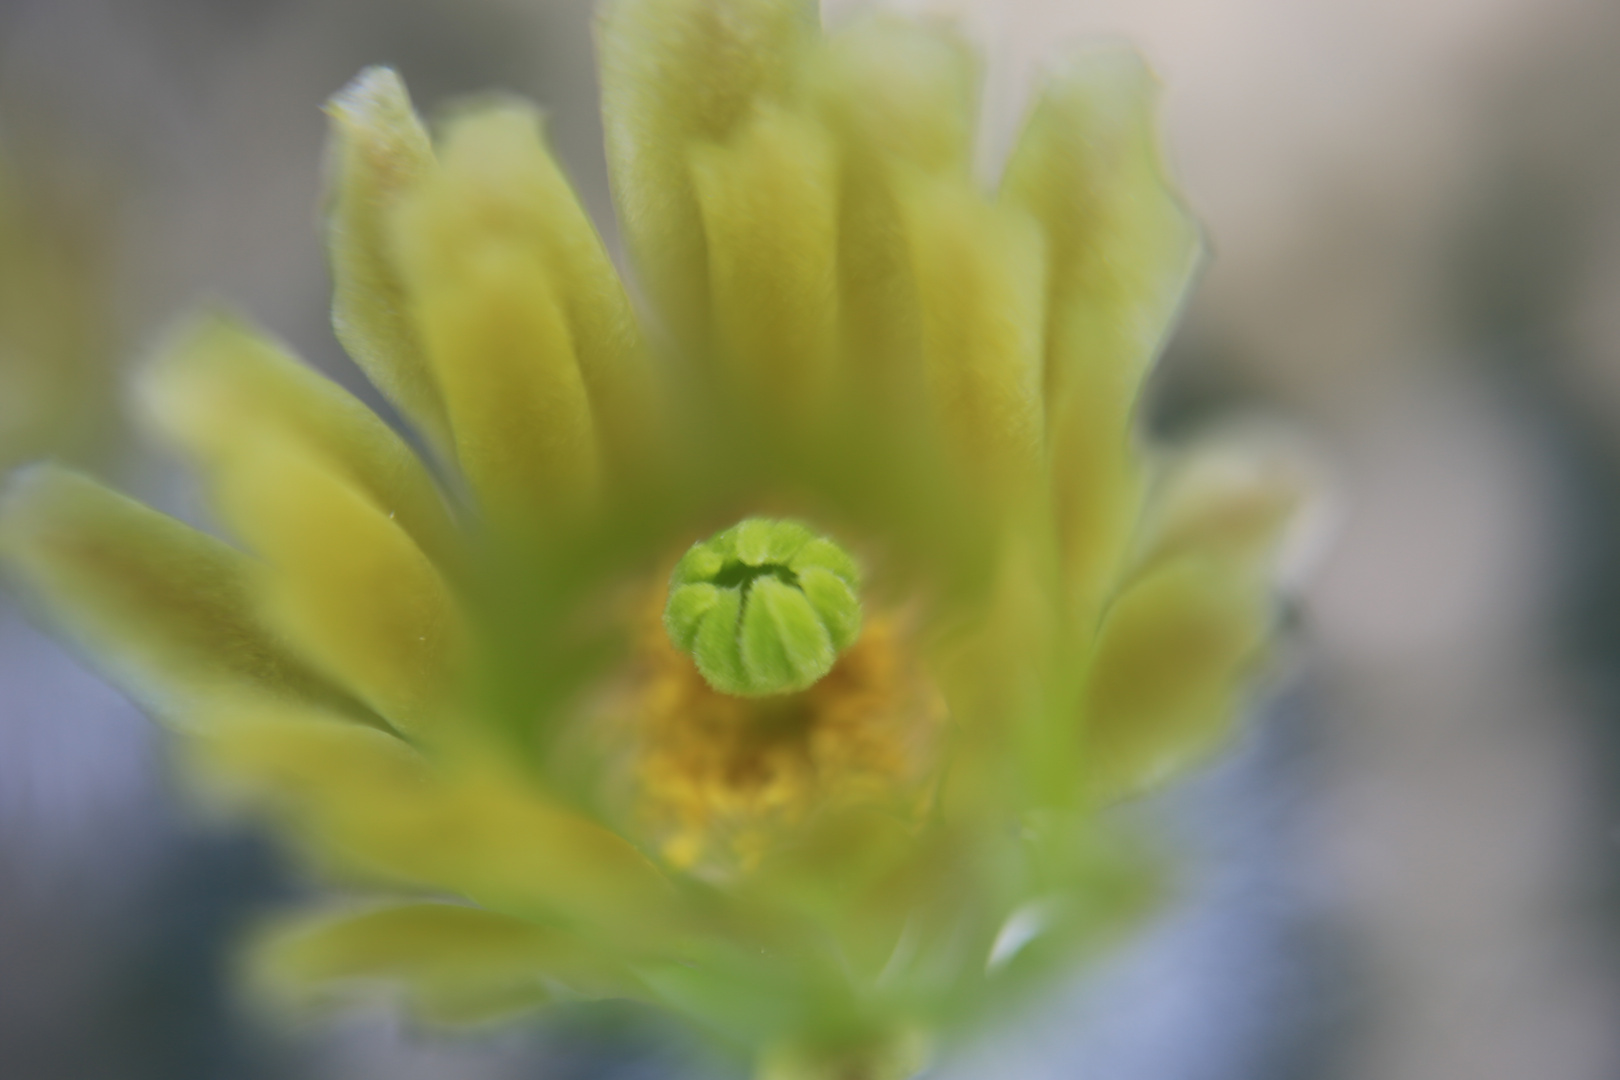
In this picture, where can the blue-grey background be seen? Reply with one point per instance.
(1408, 869)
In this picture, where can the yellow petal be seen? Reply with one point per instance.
(349, 587)
(980, 277)
(898, 90)
(1231, 497)
(1121, 250)
(900, 98)
(769, 203)
(484, 286)
(529, 200)
(365, 801)
(1170, 661)
(457, 964)
(378, 152)
(168, 610)
(502, 843)
(222, 383)
(305, 764)
(602, 324)
(675, 73)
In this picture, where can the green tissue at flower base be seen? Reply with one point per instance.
(769, 655)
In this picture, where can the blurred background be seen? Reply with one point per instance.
(1408, 869)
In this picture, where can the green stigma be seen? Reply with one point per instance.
(764, 607)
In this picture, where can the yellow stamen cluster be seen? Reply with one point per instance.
(718, 777)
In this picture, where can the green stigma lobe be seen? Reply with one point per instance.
(764, 607)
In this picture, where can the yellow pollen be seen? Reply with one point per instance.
(719, 778)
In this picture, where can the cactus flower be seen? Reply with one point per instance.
(765, 644)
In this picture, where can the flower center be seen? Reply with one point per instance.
(764, 607)
(763, 695)
(719, 780)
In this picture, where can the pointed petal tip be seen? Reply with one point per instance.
(375, 86)
(166, 381)
(183, 335)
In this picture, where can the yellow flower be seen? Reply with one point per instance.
(768, 655)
